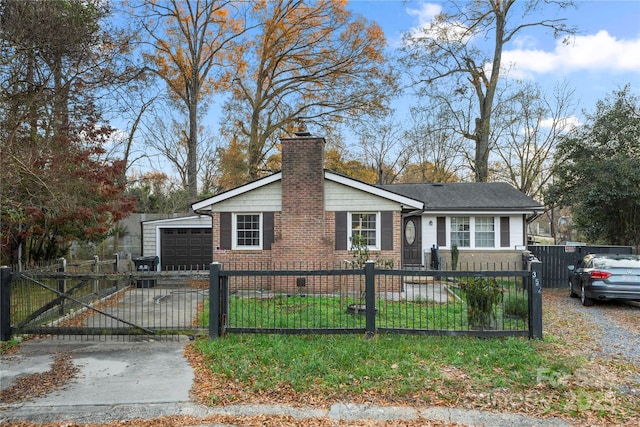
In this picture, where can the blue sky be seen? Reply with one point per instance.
(603, 56)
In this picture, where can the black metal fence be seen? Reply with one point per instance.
(253, 299)
(372, 300)
(94, 298)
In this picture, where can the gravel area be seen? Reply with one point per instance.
(614, 326)
(605, 332)
(619, 336)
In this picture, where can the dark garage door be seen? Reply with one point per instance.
(185, 248)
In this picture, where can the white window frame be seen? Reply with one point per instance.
(475, 231)
(378, 229)
(234, 235)
(469, 232)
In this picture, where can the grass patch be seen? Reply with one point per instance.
(8, 346)
(500, 374)
(326, 312)
(396, 366)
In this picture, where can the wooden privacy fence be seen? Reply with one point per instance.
(556, 259)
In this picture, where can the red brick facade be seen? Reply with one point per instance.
(304, 233)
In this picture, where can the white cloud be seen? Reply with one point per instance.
(565, 124)
(597, 52)
(425, 13)
(429, 27)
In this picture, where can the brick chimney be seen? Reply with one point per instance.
(303, 235)
(303, 176)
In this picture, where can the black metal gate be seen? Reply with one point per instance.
(557, 258)
(95, 303)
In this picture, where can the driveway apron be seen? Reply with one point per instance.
(116, 379)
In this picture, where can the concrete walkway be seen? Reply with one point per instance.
(128, 380)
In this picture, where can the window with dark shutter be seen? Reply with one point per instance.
(267, 233)
(225, 230)
(341, 231)
(441, 222)
(505, 235)
(386, 236)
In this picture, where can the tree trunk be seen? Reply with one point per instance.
(483, 124)
(254, 146)
(192, 150)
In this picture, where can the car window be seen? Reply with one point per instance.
(617, 263)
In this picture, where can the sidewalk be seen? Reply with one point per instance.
(129, 380)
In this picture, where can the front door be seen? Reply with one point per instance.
(411, 241)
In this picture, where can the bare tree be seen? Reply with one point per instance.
(169, 138)
(383, 147)
(436, 149)
(451, 48)
(195, 51)
(528, 127)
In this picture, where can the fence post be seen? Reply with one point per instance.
(95, 268)
(62, 268)
(5, 303)
(214, 300)
(370, 297)
(535, 300)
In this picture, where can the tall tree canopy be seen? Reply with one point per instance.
(309, 60)
(57, 183)
(597, 172)
(463, 46)
(195, 51)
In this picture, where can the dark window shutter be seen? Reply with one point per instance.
(441, 222)
(341, 231)
(225, 230)
(505, 235)
(386, 236)
(267, 233)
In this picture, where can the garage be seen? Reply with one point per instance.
(181, 243)
(185, 248)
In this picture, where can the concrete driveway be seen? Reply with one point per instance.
(116, 380)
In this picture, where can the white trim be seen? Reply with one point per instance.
(480, 212)
(158, 236)
(405, 201)
(176, 219)
(234, 232)
(378, 215)
(495, 232)
(472, 234)
(207, 203)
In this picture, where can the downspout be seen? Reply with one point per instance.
(210, 215)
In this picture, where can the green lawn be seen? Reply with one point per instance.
(400, 366)
(326, 312)
(503, 374)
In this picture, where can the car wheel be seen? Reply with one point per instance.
(572, 293)
(583, 297)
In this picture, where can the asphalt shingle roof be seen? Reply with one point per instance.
(466, 196)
